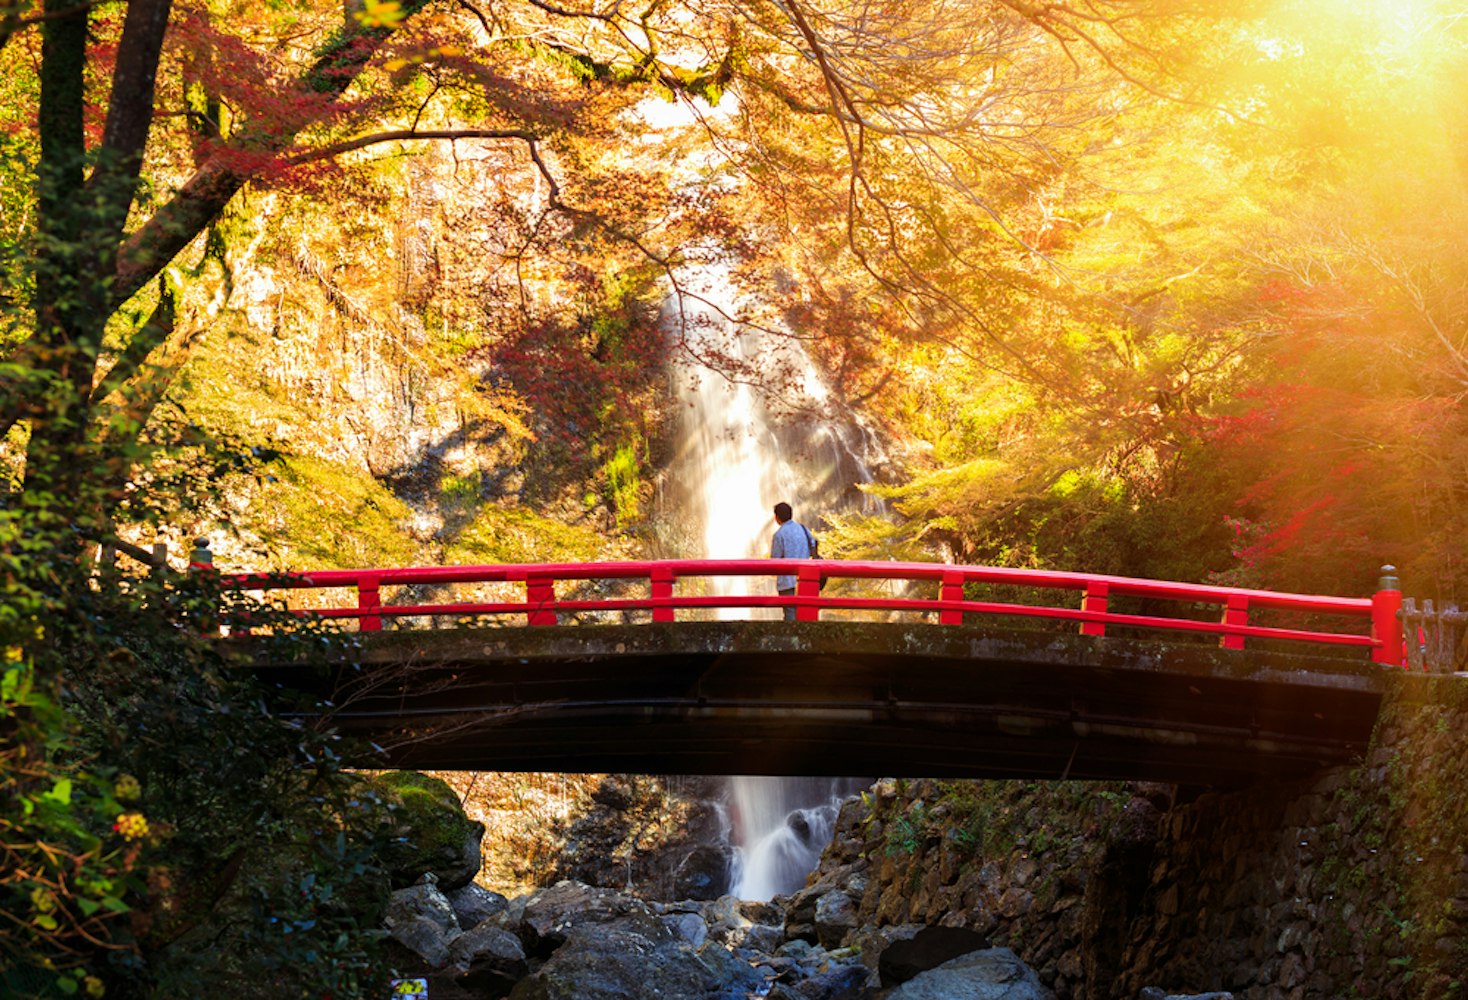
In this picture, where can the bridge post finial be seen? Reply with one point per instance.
(1386, 621)
(201, 561)
(201, 558)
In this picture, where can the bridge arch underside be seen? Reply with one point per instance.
(843, 698)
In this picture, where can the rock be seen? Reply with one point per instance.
(473, 904)
(421, 920)
(730, 922)
(836, 984)
(422, 900)
(763, 938)
(687, 927)
(994, 974)
(834, 917)
(423, 937)
(616, 792)
(1153, 993)
(797, 949)
(551, 914)
(633, 958)
(433, 833)
(760, 912)
(800, 911)
(486, 961)
(926, 948)
(871, 942)
(704, 873)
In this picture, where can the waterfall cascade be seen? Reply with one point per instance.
(745, 444)
(780, 827)
(760, 429)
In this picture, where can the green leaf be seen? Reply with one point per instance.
(88, 906)
(67, 985)
(115, 905)
(44, 921)
(61, 792)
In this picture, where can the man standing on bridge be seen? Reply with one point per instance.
(792, 540)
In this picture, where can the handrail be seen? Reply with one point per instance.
(541, 605)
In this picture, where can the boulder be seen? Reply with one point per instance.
(687, 927)
(552, 914)
(927, 948)
(703, 874)
(632, 958)
(834, 917)
(732, 921)
(994, 974)
(485, 962)
(424, 939)
(837, 983)
(474, 904)
(871, 942)
(433, 834)
(800, 910)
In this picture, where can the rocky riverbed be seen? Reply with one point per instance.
(826, 941)
(576, 942)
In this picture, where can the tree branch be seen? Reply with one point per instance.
(404, 135)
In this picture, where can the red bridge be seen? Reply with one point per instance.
(890, 668)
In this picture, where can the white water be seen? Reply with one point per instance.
(780, 828)
(746, 443)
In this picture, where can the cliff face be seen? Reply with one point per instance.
(1352, 884)
(385, 356)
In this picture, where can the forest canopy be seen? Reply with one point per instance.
(1085, 261)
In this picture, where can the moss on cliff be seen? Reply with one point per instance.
(510, 535)
(317, 514)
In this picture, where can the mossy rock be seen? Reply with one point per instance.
(433, 833)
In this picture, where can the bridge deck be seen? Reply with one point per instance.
(840, 698)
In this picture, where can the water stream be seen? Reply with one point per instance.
(761, 429)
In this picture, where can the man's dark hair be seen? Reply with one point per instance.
(782, 512)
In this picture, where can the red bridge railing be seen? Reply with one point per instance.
(1372, 623)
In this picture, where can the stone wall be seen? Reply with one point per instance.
(1352, 884)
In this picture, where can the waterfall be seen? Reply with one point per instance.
(768, 433)
(762, 428)
(780, 828)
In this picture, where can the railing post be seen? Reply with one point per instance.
(201, 561)
(662, 590)
(1235, 612)
(808, 584)
(1097, 595)
(950, 589)
(369, 602)
(106, 562)
(540, 593)
(1386, 623)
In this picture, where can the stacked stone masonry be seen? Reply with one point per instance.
(1351, 884)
